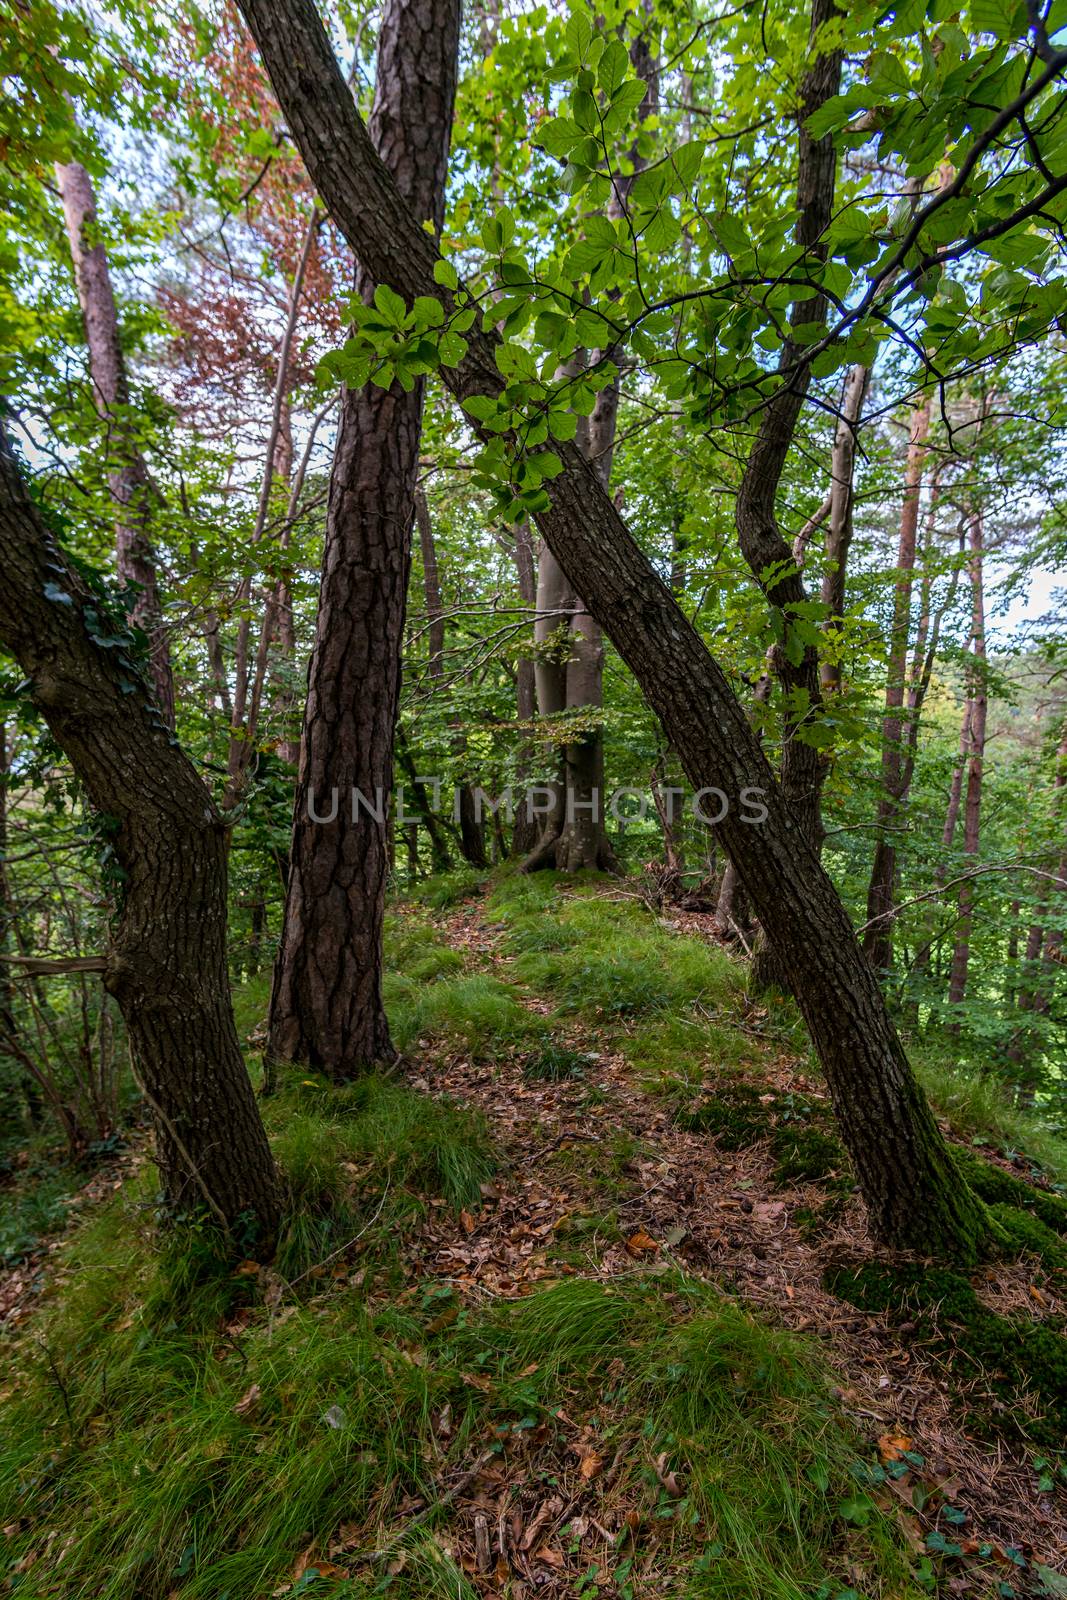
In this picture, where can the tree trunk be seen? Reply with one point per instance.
(912, 1188)
(840, 513)
(128, 474)
(972, 810)
(326, 1005)
(524, 832)
(796, 664)
(465, 811)
(878, 940)
(166, 965)
(555, 604)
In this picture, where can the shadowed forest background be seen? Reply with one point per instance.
(445, 1197)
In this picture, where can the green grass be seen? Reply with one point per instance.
(555, 1063)
(447, 889)
(251, 1003)
(34, 1205)
(144, 1456)
(477, 1012)
(365, 1157)
(978, 1107)
(612, 959)
(677, 1055)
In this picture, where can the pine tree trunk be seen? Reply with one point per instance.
(128, 474)
(326, 1005)
(166, 965)
(913, 1191)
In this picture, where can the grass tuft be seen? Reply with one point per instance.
(477, 1012)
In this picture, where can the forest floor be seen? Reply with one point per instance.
(634, 1378)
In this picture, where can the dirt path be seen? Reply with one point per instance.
(600, 1179)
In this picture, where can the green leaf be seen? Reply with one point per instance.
(428, 312)
(614, 65)
(445, 273)
(391, 306)
(687, 159)
(579, 31)
(558, 136)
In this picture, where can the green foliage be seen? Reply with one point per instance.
(977, 1103)
(34, 1203)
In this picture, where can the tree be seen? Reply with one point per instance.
(129, 483)
(166, 965)
(913, 1192)
(326, 1005)
(878, 942)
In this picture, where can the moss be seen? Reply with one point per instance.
(1027, 1235)
(737, 1116)
(998, 1187)
(800, 1131)
(1013, 1359)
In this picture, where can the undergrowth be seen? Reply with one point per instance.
(176, 1426)
(203, 1454)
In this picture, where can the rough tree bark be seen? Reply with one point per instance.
(326, 1005)
(127, 473)
(911, 1186)
(166, 965)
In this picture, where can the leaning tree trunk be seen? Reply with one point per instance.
(761, 541)
(166, 965)
(326, 1006)
(127, 472)
(913, 1191)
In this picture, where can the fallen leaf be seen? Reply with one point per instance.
(641, 1244)
(248, 1401)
